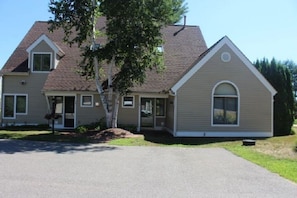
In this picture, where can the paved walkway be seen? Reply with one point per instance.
(40, 169)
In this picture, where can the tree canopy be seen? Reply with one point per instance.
(133, 31)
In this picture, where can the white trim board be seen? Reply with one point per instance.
(224, 41)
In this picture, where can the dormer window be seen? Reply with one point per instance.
(41, 62)
(43, 55)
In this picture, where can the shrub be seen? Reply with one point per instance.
(81, 129)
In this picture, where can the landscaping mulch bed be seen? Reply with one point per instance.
(109, 134)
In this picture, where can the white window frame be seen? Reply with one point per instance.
(92, 101)
(32, 62)
(225, 96)
(14, 105)
(123, 101)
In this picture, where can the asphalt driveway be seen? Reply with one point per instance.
(41, 169)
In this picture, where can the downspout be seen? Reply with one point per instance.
(272, 115)
(174, 112)
(139, 114)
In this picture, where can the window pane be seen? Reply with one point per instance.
(46, 60)
(9, 106)
(87, 100)
(231, 110)
(41, 62)
(37, 62)
(20, 104)
(225, 89)
(218, 111)
(128, 101)
(59, 104)
(225, 110)
(160, 107)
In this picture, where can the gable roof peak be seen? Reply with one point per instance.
(48, 41)
(209, 53)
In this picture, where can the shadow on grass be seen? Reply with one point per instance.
(48, 142)
(163, 137)
(43, 127)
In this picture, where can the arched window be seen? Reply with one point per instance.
(225, 104)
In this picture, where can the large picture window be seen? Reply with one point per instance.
(225, 105)
(14, 105)
(41, 62)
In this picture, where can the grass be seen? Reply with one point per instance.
(277, 154)
(285, 166)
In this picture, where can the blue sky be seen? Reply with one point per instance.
(259, 28)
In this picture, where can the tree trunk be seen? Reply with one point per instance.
(116, 110)
(103, 98)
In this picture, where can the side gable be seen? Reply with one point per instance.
(200, 62)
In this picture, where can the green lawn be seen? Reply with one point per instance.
(277, 154)
(284, 166)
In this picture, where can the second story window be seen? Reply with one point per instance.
(41, 62)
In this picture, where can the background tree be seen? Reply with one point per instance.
(292, 66)
(293, 69)
(133, 30)
(280, 78)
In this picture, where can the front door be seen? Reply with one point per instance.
(147, 114)
(69, 111)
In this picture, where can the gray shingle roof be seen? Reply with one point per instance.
(181, 49)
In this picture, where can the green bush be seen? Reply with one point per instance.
(100, 125)
(96, 126)
(81, 129)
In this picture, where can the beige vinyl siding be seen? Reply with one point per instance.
(129, 115)
(194, 98)
(170, 113)
(37, 107)
(87, 115)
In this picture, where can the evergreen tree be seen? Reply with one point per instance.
(280, 78)
(293, 69)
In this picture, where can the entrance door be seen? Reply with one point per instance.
(69, 111)
(147, 114)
